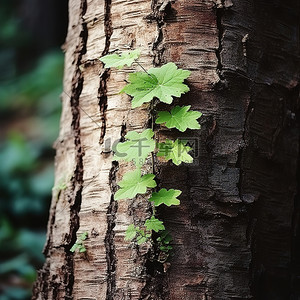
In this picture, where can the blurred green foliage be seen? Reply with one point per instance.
(26, 172)
(29, 121)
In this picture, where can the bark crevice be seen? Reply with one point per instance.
(159, 11)
(102, 91)
(110, 234)
(111, 212)
(77, 179)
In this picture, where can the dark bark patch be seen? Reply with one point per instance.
(110, 235)
(102, 91)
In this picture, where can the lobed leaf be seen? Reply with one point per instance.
(167, 197)
(120, 60)
(133, 183)
(180, 118)
(137, 147)
(130, 233)
(154, 224)
(163, 83)
(176, 151)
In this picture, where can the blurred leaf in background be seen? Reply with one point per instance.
(31, 70)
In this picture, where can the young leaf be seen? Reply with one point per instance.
(74, 247)
(165, 237)
(165, 248)
(83, 236)
(133, 184)
(120, 60)
(130, 233)
(162, 83)
(176, 151)
(141, 239)
(136, 148)
(179, 118)
(167, 197)
(82, 248)
(154, 224)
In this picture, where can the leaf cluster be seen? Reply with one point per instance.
(136, 148)
(176, 151)
(79, 243)
(120, 60)
(143, 234)
(163, 84)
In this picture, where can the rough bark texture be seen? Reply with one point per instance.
(236, 232)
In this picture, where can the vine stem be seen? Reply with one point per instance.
(152, 116)
(152, 127)
(142, 68)
(150, 75)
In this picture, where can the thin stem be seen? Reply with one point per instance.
(153, 210)
(142, 68)
(152, 127)
(150, 75)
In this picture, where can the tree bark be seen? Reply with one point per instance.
(236, 232)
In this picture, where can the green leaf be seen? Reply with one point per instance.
(83, 236)
(163, 83)
(74, 247)
(165, 237)
(154, 224)
(137, 147)
(82, 249)
(130, 233)
(167, 197)
(165, 248)
(133, 184)
(141, 239)
(120, 60)
(176, 151)
(179, 118)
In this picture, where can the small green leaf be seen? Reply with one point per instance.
(83, 236)
(166, 237)
(74, 247)
(133, 184)
(137, 147)
(82, 249)
(176, 151)
(130, 233)
(180, 118)
(165, 248)
(167, 197)
(120, 60)
(141, 239)
(163, 83)
(154, 224)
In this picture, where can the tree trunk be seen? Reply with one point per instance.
(236, 232)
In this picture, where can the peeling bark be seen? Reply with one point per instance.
(236, 232)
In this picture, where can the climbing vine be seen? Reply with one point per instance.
(153, 85)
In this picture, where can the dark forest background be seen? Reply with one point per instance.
(31, 71)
